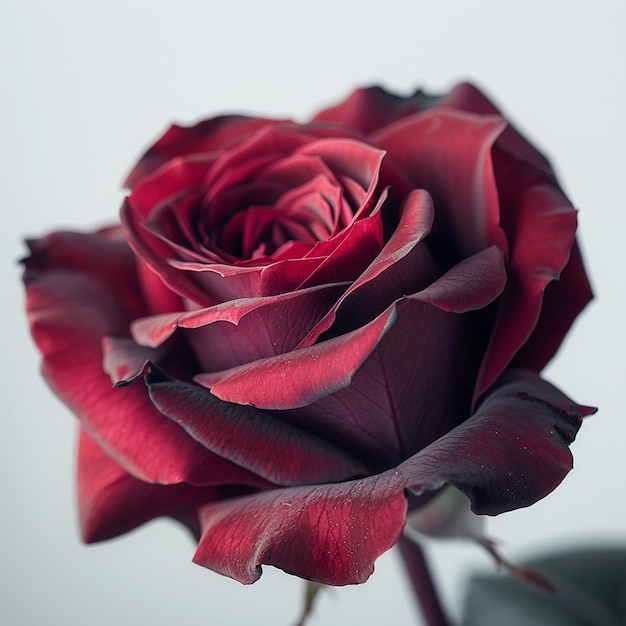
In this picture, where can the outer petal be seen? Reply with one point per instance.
(449, 154)
(512, 452)
(263, 443)
(112, 502)
(490, 187)
(206, 136)
(330, 534)
(79, 289)
(424, 366)
(372, 108)
(542, 236)
(563, 301)
(466, 97)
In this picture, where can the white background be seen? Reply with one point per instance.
(85, 87)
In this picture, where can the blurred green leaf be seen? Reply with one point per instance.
(590, 591)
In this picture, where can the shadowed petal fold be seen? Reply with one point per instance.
(259, 441)
(300, 377)
(509, 454)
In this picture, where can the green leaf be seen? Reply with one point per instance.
(590, 589)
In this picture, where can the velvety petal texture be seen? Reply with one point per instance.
(298, 327)
(112, 502)
(72, 305)
(333, 533)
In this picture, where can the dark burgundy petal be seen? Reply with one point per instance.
(124, 361)
(356, 247)
(412, 374)
(471, 284)
(170, 183)
(158, 297)
(71, 306)
(448, 153)
(298, 378)
(541, 226)
(511, 453)
(424, 365)
(379, 394)
(562, 302)
(466, 97)
(291, 380)
(259, 441)
(371, 108)
(401, 267)
(490, 187)
(330, 534)
(112, 502)
(244, 330)
(104, 256)
(206, 136)
(269, 144)
(347, 157)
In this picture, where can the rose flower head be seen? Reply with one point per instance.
(295, 326)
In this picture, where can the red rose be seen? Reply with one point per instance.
(328, 316)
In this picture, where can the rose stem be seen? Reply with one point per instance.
(423, 586)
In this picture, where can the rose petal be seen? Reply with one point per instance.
(80, 288)
(112, 502)
(466, 97)
(298, 378)
(275, 312)
(401, 267)
(501, 185)
(356, 246)
(256, 440)
(371, 108)
(562, 302)
(328, 533)
(153, 254)
(379, 394)
(541, 224)
(103, 255)
(470, 285)
(177, 177)
(449, 154)
(206, 136)
(347, 157)
(220, 283)
(124, 361)
(386, 410)
(241, 331)
(290, 380)
(512, 452)
(270, 143)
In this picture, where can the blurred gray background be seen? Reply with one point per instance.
(86, 86)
